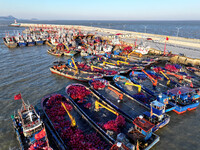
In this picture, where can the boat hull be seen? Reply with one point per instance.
(182, 109)
(30, 43)
(74, 77)
(20, 44)
(10, 45)
(39, 42)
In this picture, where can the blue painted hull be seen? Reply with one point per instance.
(170, 106)
(30, 43)
(20, 44)
(39, 42)
(161, 124)
(182, 109)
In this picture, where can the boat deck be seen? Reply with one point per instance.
(127, 104)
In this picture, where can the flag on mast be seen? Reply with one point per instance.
(18, 97)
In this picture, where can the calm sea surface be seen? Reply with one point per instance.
(26, 70)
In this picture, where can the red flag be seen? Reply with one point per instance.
(191, 85)
(179, 92)
(167, 38)
(17, 97)
(40, 135)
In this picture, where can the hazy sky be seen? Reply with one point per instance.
(102, 9)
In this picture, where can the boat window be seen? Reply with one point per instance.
(139, 129)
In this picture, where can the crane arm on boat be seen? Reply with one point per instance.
(168, 82)
(73, 121)
(133, 52)
(108, 63)
(154, 81)
(66, 46)
(180, 77)
(139, 86)
(121, 62)
(98, 104)
(92, 67)
(125, 58)
(116, 92)
(74, 64)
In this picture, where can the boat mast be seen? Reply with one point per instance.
(23, 103)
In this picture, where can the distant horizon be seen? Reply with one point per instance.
(35, 19)
(118, 10)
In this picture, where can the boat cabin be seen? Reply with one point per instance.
(143, 126)
(162, 98)
(157, 112)
(182, 94)
(30, 121)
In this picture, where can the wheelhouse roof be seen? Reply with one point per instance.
(156, 103)
(180, 90)
(143, 124)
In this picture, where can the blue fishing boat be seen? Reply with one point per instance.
(135, 90)
(20, 41)
(129, 107)
(124, 133)
(30, 41)
(178, 76)
(39, 42)
(154, 84)
(184, 97)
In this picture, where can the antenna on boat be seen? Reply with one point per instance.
(23, 103)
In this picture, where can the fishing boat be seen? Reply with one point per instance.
(194, 70)
(123, 133)
(20, 41)
(62, 48)
(88, 68)
(152, 82)
(30, 41)
(63, 69)
(120, 66)
(136, 91)
(178, 76)
(55, 52)
(184, 97)
(128, 106)
(39, 41)
(29, 128)
(70, 129)
(10, 42)
(132, 61)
